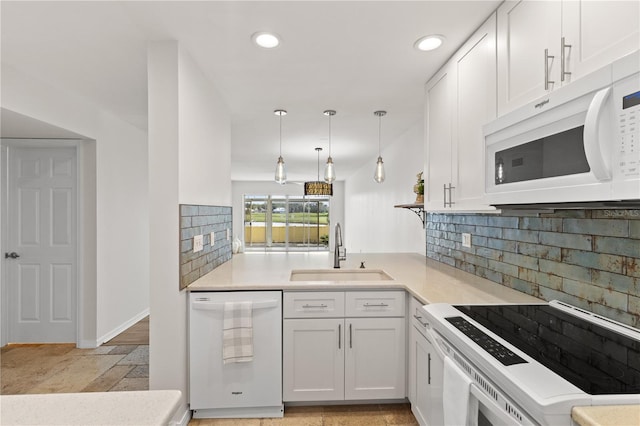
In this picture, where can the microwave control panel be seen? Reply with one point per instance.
(629, 134)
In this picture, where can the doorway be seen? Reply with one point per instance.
(40, 241)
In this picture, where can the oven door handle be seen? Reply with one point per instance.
(495, 410)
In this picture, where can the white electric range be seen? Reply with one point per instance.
(530, 364)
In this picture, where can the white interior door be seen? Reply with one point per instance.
(42, 272)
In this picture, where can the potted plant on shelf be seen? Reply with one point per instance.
(418, 188)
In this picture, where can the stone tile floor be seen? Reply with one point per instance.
(328, 415)
(65, 368)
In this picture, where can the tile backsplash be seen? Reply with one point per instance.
(202, 220)
(588, 258)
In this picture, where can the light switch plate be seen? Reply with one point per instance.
(466, 240)
(198, 244)
(212, 238)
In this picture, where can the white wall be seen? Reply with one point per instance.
(241, 188)
(114, 284)
(189, 129)
(372, 224)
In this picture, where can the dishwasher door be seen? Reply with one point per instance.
(246, 389)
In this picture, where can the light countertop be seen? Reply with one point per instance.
(138, 408)
(611, 415)
(427, 280)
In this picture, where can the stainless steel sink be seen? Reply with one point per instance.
(339, 275)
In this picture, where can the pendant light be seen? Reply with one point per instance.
(329, 171)
(318, 187)
(379, 176)
(281, 173)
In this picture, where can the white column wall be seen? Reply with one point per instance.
(114, 283)
(189, 129)
(372, 224)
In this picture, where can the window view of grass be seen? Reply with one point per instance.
(281, 223)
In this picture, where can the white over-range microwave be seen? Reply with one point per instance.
(578, 145)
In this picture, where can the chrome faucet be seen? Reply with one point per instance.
(338, 254)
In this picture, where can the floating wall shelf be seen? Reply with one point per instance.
(418, 209)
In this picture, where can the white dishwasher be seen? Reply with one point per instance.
(244, 389)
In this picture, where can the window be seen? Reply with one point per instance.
(286, 223)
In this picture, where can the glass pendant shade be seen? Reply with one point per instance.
(379, 173)
(281, 172)
(329, 171)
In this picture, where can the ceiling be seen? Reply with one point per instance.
(355, 57)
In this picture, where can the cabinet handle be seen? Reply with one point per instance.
(350, 338)
(374, 305)
(449, 188)
(339, 336)
(547, 82)
(563, 66)
(418, 318)
(307, 306)
(445, 194)
(428, 369)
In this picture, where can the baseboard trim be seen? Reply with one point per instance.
(122, 327)
(184, 419)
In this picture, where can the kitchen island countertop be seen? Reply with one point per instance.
(138, 408)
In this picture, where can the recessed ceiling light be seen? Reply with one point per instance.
(266, 40)
(429, 42)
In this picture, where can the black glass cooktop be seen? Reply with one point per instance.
(593, 358)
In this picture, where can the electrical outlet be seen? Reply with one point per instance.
(228, 234)
(466, 240)
(198, 243)
(212, 238)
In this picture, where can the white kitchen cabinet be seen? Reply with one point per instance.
(599, 32)
(313, 359)
(426, 372)
(375, 358)
(460, 99)
(353, 358)
(594, 34)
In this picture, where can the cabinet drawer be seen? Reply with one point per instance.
(320, 304)
(375, 304)
(417, 315)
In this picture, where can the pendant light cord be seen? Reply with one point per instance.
(330, 135)
(280, 134)
(379, 132)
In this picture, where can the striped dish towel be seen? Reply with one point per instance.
(237, 335)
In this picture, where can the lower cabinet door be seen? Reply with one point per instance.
(429, 369)
(374, 358)
(313, 359)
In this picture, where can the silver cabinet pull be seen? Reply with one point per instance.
(449, 203)
(547, 82)
(307, 306)
(563, 64)
(444, 195)
(428, 369)
(350, 338)
(418, 318)
(339, 336)
(375, 305)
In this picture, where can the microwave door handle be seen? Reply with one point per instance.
(592, 128)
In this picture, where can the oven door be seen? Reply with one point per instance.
(483, 411)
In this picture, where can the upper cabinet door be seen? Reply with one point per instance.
(598, 32)
(525, 30)
(438, 113)
(475, 106)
